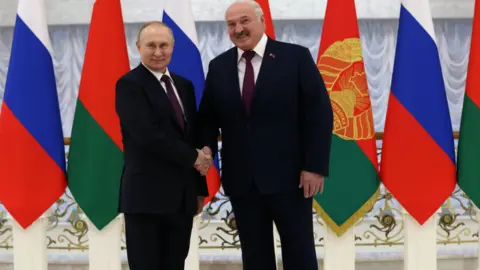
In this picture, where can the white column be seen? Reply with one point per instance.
(104, 246)
(30, 245)
(478, 225)
(420, 243)
(339, 251)
(276, 240)
(193, 259)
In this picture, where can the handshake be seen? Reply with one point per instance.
(204, 160)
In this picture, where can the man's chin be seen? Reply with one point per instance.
(246, 46)
(158, 68)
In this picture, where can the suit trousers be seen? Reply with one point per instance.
(291, 213)
(157, 241)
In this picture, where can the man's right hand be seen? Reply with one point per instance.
(204, 160)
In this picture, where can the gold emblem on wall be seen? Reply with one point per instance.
(342, 69)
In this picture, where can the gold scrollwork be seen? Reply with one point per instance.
(389, 230)
(5, 232)
(230, 231)
(80, 230)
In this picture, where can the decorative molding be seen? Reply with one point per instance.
(61, 12)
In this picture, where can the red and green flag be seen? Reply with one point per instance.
(268, 18)
(468, 160)
(95, 156)
(353, 184)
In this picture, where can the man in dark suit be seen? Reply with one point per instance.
(161, 189)
(271, 104)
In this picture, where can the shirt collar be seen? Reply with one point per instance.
(158, 74)
(259, 49)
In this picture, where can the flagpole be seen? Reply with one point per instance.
(30, 252)
(193, 259)
(339, 251)
(420, 243)
(104, 246)
(276, 239)
(478, 225)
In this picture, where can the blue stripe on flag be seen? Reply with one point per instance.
(31, 93)
(417, 81)
(186, 60)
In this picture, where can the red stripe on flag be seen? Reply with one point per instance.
(213, 184)
(417, 171)
(268, 18)
(27, 172)
(473, 81)
(104, 64)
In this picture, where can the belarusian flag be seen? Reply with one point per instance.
(268, 18)
(95, 158)
(468, 163)
(353, 185)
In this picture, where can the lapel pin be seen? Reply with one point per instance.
(272, 55)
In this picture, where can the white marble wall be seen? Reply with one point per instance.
(78, 11)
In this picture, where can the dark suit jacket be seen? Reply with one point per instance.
(158, 176)
(289, 128)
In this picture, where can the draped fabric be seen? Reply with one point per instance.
(378, 39)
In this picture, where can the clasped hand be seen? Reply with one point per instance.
(312, 183)
(204, 160)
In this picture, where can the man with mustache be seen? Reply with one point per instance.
(161, 189)
(272, 107)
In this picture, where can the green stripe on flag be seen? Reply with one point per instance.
(352, 188)
(94, 169)
(468, 163)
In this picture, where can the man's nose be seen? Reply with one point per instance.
(238, 29)
(157, 52)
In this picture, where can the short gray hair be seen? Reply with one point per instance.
(153, 23)
(258, 8)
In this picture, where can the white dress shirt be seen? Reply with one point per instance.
(256, 61)
(159, 75)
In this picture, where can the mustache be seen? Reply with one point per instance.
(241, 34)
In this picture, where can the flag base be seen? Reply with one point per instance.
(30, 248)
(276, 242)
(193, 259)
(420, 243)
(478, 259)
(339, 251)
(104, 246)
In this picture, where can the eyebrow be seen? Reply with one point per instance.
(243, 17)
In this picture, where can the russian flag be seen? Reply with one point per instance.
(186, 62)
(418, 162)
(32, 162)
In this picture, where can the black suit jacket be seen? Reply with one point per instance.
(158, 176)
(289, 128)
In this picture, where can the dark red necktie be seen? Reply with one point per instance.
(174, 101)
(248, 81)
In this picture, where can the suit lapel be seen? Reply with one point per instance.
(233, 80)
(183, 93)
(266, 68)
(157, 95)
(265, 73)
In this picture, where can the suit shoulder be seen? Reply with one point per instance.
(131, 76)
(223, 57)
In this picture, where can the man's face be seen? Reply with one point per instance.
(155, 46)
(244, 27)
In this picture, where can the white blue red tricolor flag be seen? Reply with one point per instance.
(32, 160)
(418, 162)
(186, 62)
